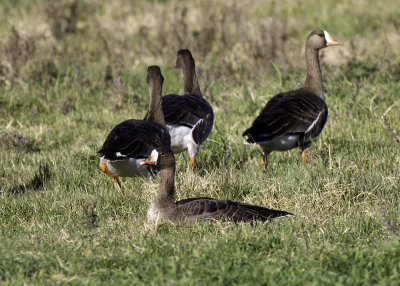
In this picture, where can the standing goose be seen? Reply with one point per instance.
(293, 118)
(189, 117)
(131, 141)
(164, 206)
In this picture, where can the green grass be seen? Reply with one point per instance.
(61, 219)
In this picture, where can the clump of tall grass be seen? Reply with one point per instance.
(17, 52)
(62, 17)
(391, 130)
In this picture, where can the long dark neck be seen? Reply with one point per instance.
(155, 112)
(313, 80)
(190, 83)
(166, 193)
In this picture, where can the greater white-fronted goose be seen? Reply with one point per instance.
(189, 117)
(293, 118)
(164, 206)
(131, 141)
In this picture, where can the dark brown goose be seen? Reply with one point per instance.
(293, 118)
(164, 206)
(189, 117)
(131, 141)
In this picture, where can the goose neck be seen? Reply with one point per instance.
(155, 108)
(166, 193)
(190, 82)
(313, 82)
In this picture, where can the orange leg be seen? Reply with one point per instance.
(304, 156)
(113, 178)
(193, 162)
(264, 160)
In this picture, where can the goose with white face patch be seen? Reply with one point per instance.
(189, 117)
(291, 119)
(164, 207)
(131, 141)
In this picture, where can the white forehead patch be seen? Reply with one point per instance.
(154, 155)
(328, 38)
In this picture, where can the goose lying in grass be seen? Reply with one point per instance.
(189, 117)
(293, 118)
(131, 141)
(164, 206)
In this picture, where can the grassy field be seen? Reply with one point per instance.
(71, 70)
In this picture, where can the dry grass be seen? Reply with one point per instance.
(17, 52)
(62, 17)
(234, 39)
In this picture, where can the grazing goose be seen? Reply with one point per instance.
(164, 206)
(131, 141)
(189, 117)
(293, 118)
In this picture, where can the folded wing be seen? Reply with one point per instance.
(296, 112)
(208, 208)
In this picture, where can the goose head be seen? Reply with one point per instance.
(184, 60)
(154, 76)
(161, 158)
(320, 39)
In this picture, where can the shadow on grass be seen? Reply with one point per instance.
(36, 183)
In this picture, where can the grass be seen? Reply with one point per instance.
(68, 75)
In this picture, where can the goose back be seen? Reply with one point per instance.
(134, 139)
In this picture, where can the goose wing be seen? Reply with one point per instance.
(208, 208)
(134, 139)
(189, 110)
(295, 112)
(185, 110)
